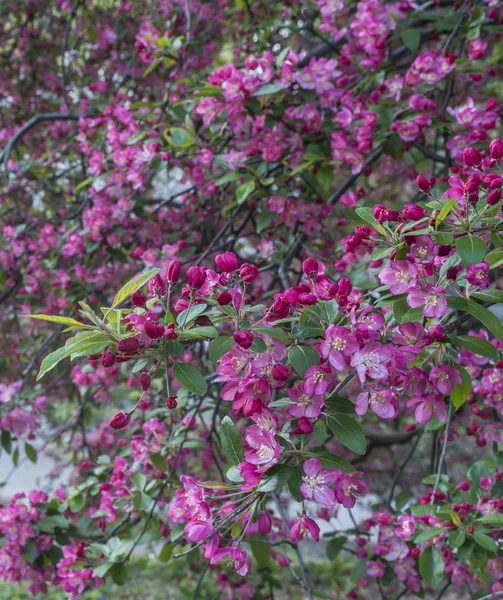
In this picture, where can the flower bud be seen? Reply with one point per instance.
(120, 420)
(464, 486)
(412, 212)
(379, 211)
(472, 184)
(145, 381)
(173, 271)
(170, 333)
(307, 299)
(108, 359)
(171, 402)
(248, 273)
(181, 305)
(244, 338)
(224, 298)
(496, 149)
(196, 276)
(353, 241)
(310, 267)
(345, 287)
(452, 273)
(128, 345)
(493, 197)
(138, 299)
(227, 262)
(157, 286)
(363, 231)
(472, 157)
(422, 183)
(280, 372)
(154, 330)
(303, 427)
(437, 333)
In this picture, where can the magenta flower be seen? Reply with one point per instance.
(427, 406)
(237, 558)
(200, 526)
(371, 361)
(383, 403)
(443, 378)
(432, 298)
(407, 526)
(401, 276)
(315, 486)
(318, 379)
(347, 487)
(338, 343)
(423, 249)
(307, 405)
(262, 449)
(304, 526)
(375, 569)
(478, 275)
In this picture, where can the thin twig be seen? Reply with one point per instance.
(442, 455)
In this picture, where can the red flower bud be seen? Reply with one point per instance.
(244, 338)
(128, 345)
(310, 267)
(345, 287)
(154, 330)
(227, 262)
(170, 333)
(303, 427)
(108, 359)
(472, 157)
(171, 402)
(452, 273)
(157, 286)
(422, 183)
(280, 372)
(120, 420)
(379, 211)
(493, 197)
(248, 273)
(363, 231)
(138, 299)
(224, 298)
(181, 305)
(412, 212)
(196, 276)
(496, 149)
(307, 299)
(353, 241)
(173, 271)
(145, 381)
(472, 184)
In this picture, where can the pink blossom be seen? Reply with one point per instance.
(427, 406)
(315, 482)
(431, 298)
(401, 276)
(347, 487)
(306, 405)
(304, 526)
(371, 360)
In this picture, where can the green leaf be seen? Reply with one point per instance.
(476, 345)
(139, 480)
(203, 331)
(485, 541)
(119, 573)
(403, 313)
(471, 249)
(264, 219)
(261, 552)
(411, 38)
(302, 358)
(456, 538)
(348, 432)
(381, 253)
(220, 346)
(331, 461)
(269, 88)
(132, 286)
(30, 452)
(258, 345)
(489, 296)
(428, 534)
(274, 332)
(77, 503)
(334, 546)
(487, 318)
(188, 315)
(431, 565)
(190, 378)
(244, 190)
(231, 440)
(339, 404)
(444, 212)
(51, 360)
(275, 478)
(496, 519)
(461, 391)
(142, 502)
(494, 259)
(56, 319)
(158, 461)
(29, 552)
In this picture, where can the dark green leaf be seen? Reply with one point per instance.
(461, 391)
(302, 358)
(190, 378)
(231, 440)
(477, 345)
(348, 432)
(220, 346)
(431, 565)
(411, 38)
(472, 249)
(275, 478)
(261, 552)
